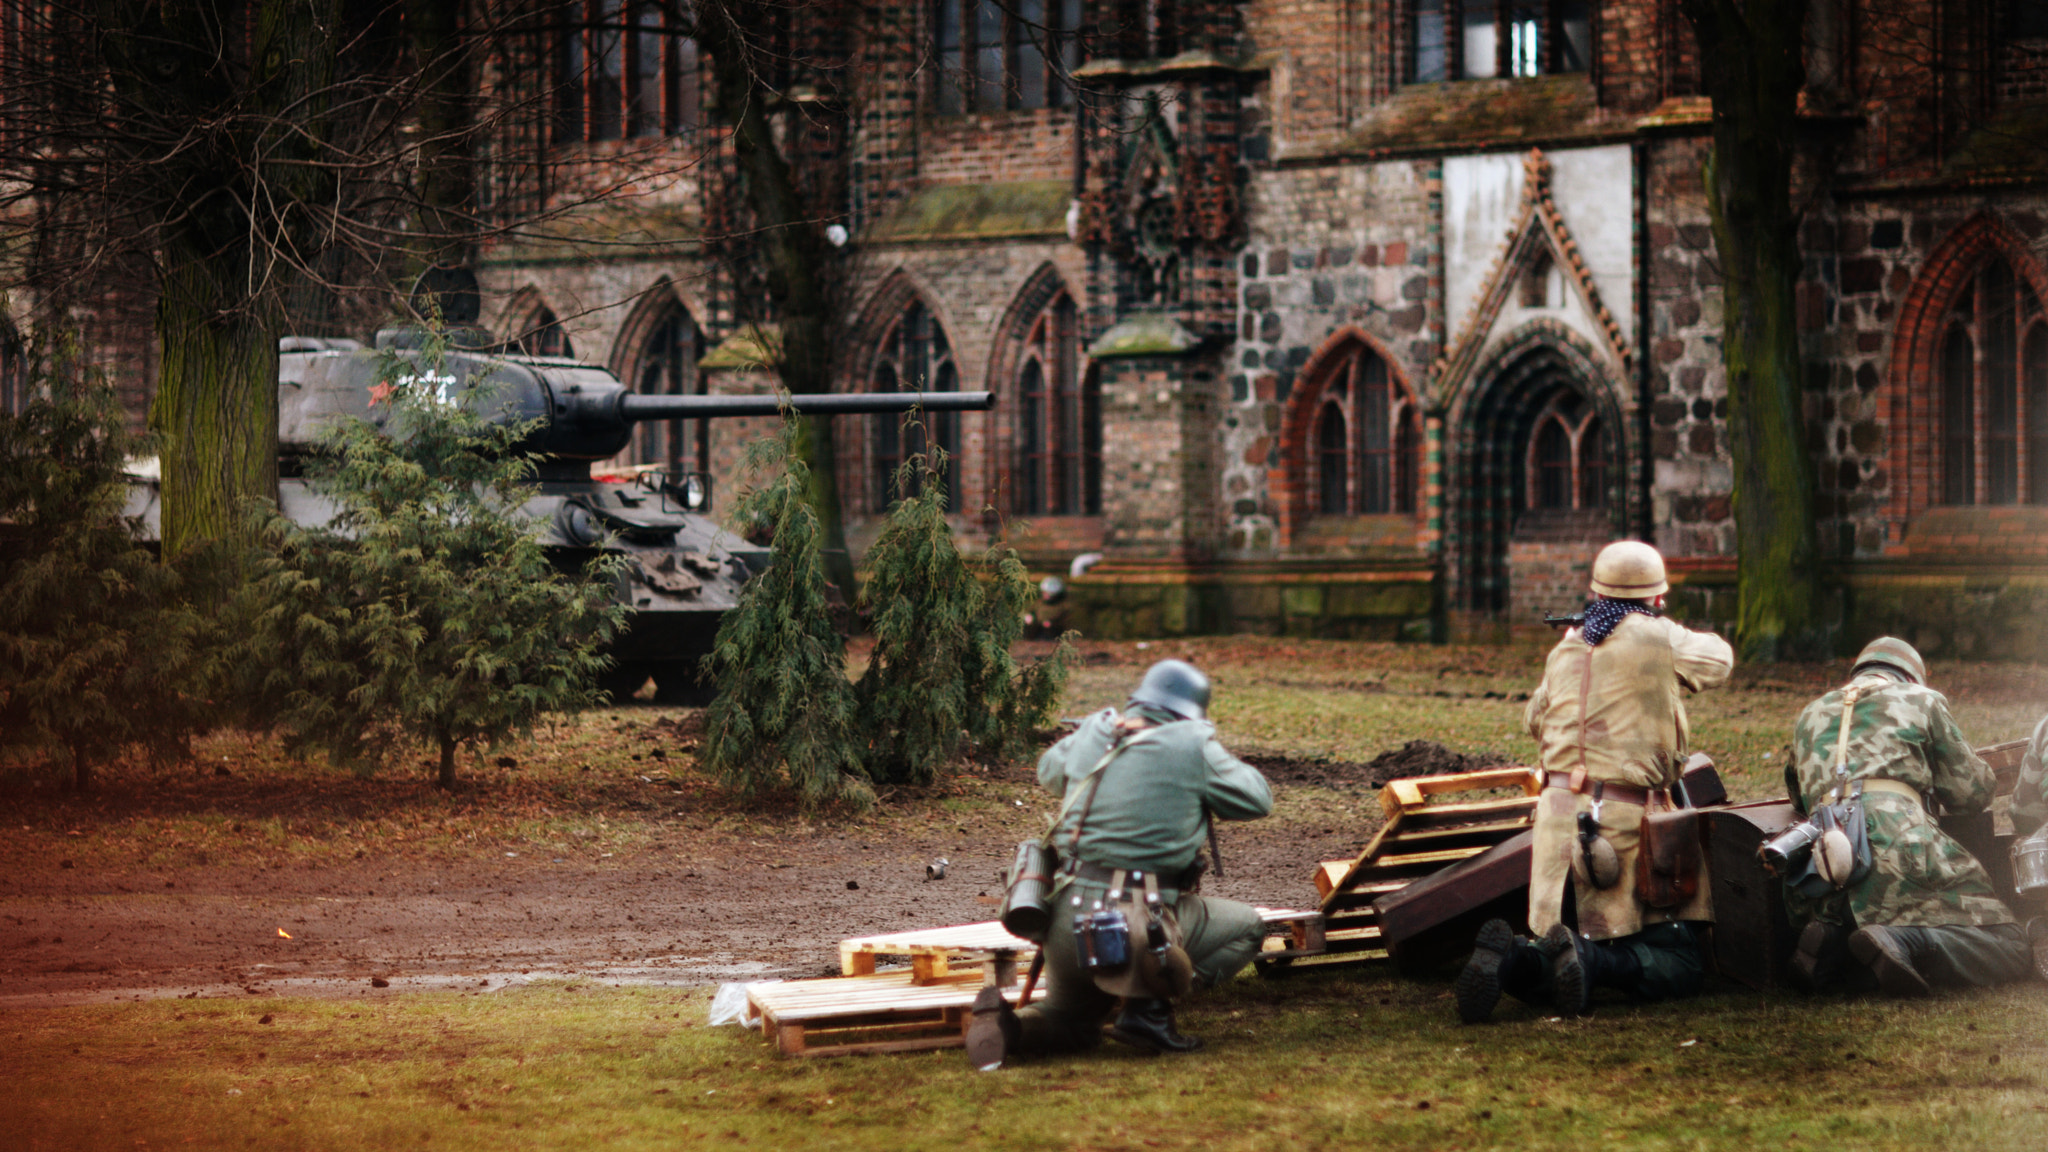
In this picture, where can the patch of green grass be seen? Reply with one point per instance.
(1321, 1059)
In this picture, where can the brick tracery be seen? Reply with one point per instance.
(1292, 480)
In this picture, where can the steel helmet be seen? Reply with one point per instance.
(1177, 686)
(1893, 652)
(1629, 570)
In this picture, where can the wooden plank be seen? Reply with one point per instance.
(927, 968)
(1364, 856)
(1529, 780)
(1425, 920)
(1397, 796)
(852, 963)
(1330, 876)
(1440, 814)
(1752, 941)
(1497, 830)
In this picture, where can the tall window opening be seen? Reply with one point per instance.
(1059, 420)
(1478, 39)
(913, 357)
(1993, 386)
(544, 336)
(668, 367)
(999, 55)
(1363, 443)
(1567, 458)
(621, 72)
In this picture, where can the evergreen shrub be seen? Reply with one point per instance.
(784, 715)
(942, 682)
(99, 648)
(427, 609)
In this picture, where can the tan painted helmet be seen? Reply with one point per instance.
(1629, 570)
(1893, 652)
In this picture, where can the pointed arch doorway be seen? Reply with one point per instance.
(1541, 483)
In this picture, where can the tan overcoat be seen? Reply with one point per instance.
(1618, 710)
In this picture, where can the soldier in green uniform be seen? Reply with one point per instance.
(1926, 915)
(2029, 813)
(1139, 789)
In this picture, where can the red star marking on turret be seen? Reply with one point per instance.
(379, 393)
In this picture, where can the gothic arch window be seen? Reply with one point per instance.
(1567, 464)
(665, 364)
(1363, 458)
(543, 335)
(913, 357)
(1992, 391)
(622, 73)
(1058, 468)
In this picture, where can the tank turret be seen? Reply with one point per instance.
(682, 573)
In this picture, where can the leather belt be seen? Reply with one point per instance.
(1626, 793)
(1895, 787)
(1092, 873)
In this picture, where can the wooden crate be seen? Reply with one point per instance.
(1427, 830)
(884, 1012)
(933, 951)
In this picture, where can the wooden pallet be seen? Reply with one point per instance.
(884, 1012)
(933, 951)
(1427, 831)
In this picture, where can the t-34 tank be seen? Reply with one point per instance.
(682, 573)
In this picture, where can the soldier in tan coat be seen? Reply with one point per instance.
(1609, 719)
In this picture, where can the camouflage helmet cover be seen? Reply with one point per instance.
(1893, 652)
(1177, 686)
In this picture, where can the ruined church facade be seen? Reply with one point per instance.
(1364, 317)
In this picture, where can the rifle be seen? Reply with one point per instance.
(1575, 620)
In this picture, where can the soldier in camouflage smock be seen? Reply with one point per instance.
(2030, 795)
(1926, 914)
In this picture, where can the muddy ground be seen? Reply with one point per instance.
(690, 907)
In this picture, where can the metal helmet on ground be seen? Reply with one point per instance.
(1893, 652)
(1629, 570)
(1177, 686)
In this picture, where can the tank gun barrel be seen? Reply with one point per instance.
(635, 407)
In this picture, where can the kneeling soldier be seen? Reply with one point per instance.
(1140, 788)
(1926, 913)
(1610, 721)
(2029, 814)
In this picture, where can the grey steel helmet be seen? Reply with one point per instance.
(1177, 686)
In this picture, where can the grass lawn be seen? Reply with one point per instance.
(1330, 1059)
(1344, 1057)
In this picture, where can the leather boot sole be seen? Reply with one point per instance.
(989, 1027)
(1568, 986)
(1806, 959)
(1479, 983)
(1884, 955)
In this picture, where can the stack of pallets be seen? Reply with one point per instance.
(1433, 823)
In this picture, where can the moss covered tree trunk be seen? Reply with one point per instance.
(1752, 68)
(215, 411)
(794, 256)
(445, 777)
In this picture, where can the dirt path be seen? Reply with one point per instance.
(719, 910)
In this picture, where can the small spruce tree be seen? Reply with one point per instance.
(784, 713)
(427, 610)
(98, 648)
(942, 681)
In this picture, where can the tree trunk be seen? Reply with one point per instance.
(795, 258)
(1752, 69)
(215, 411)
(446, 778)
(81, 769)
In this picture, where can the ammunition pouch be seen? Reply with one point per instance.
(1668, 855)
(1156, 965)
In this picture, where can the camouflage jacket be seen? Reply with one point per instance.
(1920, 877)
(2030, 795)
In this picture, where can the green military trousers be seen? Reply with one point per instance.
(1946, 956)
(1220, 937)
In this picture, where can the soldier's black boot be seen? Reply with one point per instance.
(1147, 1024)
(1817, 961)
(1888, 952)
(1579, 965)
(992, 1030)
(1501, 962)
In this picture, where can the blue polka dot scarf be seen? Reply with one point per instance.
(1603, 615)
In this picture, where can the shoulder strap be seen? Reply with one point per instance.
(1850, 694)
(1094, 779)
